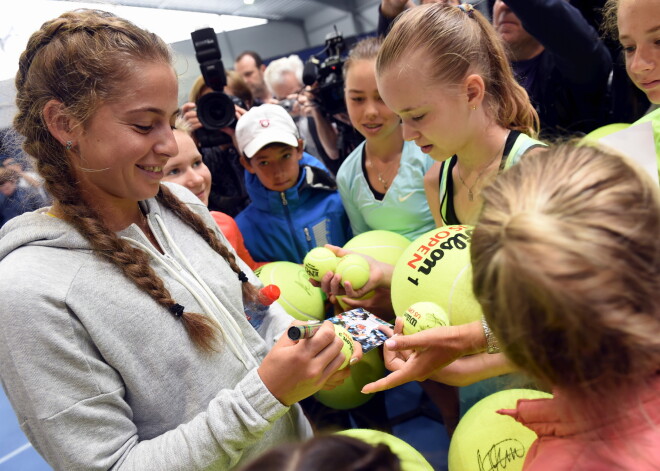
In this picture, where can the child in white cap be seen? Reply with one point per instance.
(295, 203)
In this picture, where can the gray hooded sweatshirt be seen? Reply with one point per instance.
(102, 377)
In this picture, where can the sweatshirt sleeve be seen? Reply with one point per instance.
(75, 407)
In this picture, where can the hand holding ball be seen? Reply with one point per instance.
(319, 261)
(423, 315)
(353, 268)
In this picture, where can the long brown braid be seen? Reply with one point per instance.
(82, 59)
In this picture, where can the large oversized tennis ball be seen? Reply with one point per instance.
(410, 458)
(436, 267)
(348, 395)
(604, 131)
(353, 268)
(348, 347)
(297, 295)
(384, 246)
(423, 315)
(484, 439)
(319, 261)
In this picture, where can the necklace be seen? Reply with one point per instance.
(383, 177)
(483, 170)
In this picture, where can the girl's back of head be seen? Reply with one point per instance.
(566, 260)
(457, 42)
(327, 453)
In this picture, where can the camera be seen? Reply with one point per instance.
(287, 104)
(215, 110)
(328, 75)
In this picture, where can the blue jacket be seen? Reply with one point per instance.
(286, 225)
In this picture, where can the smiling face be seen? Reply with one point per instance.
(187, 167)
(434, 115)
(639, 33)
(276, 165)
(366, 109)
(120, 153)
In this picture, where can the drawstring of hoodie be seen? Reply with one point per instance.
(232, 336)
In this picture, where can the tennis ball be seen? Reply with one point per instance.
(319, 261)
(384, 246)
(353, 268)
(484, 439)
(411, 459)
(298, 296)
(348, 395)
(423, 315)
(437, 267)
(348, 347)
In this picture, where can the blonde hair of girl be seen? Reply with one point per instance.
(81, 59)
(566, 264)
(457, 42)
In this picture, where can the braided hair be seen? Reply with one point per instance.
(81, 59)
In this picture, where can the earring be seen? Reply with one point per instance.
(69, 145)
(474, 107)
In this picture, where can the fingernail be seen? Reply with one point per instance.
(390, 343)
(353, 361)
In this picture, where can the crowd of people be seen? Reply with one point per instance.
(132, 233)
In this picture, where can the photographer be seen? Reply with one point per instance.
(324, 101)
(284, 79)
(228, 193)
(211, 114)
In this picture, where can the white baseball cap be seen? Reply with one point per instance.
(263, 125)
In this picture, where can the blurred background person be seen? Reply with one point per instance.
(251, 67)
(283, 77)
(228, 192)
(15, 199)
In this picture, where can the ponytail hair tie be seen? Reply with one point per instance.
(242, 276)
(177, 310)
(467, 8)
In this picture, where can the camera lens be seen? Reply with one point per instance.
(216, 110)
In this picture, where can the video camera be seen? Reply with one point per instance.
(328, 75)
(215, 110)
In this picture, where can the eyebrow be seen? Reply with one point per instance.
(653, 30)
(151, 109)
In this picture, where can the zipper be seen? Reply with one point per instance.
(292, 229)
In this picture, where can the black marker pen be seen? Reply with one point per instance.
(304, 331)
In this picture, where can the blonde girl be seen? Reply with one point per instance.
(381, 181)
(566, 263)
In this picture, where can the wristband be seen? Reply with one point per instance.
(492, 345)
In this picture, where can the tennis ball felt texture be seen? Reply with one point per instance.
(484, 439)
(384, 246)
(348, 395)
(348, 347)
(353, 268)
(319, 261)
(411, 459)
(297, 295)
(437, 267)
(423, 315)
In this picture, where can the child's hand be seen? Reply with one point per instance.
(380, 275)
(294, 370)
